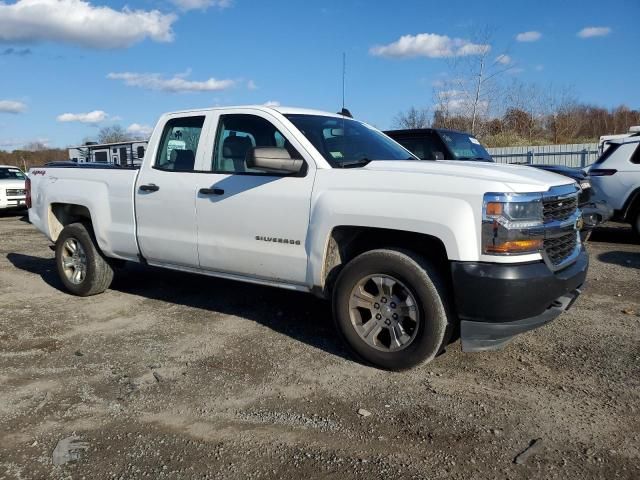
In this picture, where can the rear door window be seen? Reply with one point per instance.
(179, 144)
(609, 150)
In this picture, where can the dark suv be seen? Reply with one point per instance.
(444, 144)
(441, 144)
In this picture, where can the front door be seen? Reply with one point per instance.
(250, 222)
(165, 194)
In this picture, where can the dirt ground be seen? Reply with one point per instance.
(170, 375)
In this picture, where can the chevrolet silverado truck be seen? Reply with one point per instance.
(410, 253)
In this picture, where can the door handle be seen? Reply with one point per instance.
(211, 191)
(152, 187)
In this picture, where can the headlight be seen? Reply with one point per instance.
(512, 223)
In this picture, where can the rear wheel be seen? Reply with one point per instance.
(82, 267)
(390, 307)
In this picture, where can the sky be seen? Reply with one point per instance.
(70, 67)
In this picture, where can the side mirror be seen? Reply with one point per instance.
(273, 160)
(438, 155)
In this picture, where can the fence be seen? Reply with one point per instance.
(571, 155)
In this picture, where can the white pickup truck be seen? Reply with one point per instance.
(411, 253)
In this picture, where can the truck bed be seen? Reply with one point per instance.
(105, 192)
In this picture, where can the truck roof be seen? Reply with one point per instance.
(280, 109)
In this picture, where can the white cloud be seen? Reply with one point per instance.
(429, 45)
(590, 32)
(97, 116)
(12, 106)
(503, 59)
(200, 4)
(176, 84)
(140, 130)
(79, 22)
(272, 103)
(251, 85)
(531, 36)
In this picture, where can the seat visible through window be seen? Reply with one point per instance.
(183, 159)
(234, 153)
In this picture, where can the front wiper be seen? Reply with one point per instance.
(355, 163)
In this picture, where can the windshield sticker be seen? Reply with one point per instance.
(473, 140)
(336, 154)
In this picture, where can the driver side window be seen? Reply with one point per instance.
(238, 135)
(179, 144)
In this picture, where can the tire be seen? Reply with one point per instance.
(83, 269)
(419, 302)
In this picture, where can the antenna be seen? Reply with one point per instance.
(343, 111)
(344, 75)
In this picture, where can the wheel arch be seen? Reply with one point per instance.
(62, 214)
(346, 242)
(631, 206)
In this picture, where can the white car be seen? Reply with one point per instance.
(12, 188)
(615, 177)
(407, 251)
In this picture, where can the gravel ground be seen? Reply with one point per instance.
(170, 375)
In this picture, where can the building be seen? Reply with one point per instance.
(120, 153)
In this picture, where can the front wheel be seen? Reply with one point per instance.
(391, 308)
(82, 267)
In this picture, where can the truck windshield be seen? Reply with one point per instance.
(346, 143)
(465, 147)
(11, 174)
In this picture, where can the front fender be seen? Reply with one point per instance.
(449, 219)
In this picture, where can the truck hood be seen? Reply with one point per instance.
(516, 177)
(11, 183)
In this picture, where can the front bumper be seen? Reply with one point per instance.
(595, 213)
(495, 302)
(13, 202)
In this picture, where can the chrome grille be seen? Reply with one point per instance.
(560, 248)
(559, 209)
(15, 192)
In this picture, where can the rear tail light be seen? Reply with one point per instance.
(602, 172)
(27, 187)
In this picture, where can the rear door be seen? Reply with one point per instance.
(166, 191)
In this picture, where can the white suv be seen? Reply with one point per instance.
(12, 189)
(615, 177)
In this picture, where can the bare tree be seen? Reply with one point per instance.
(473, 87)
(413, 118)
(113, 134)
(35, 146)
